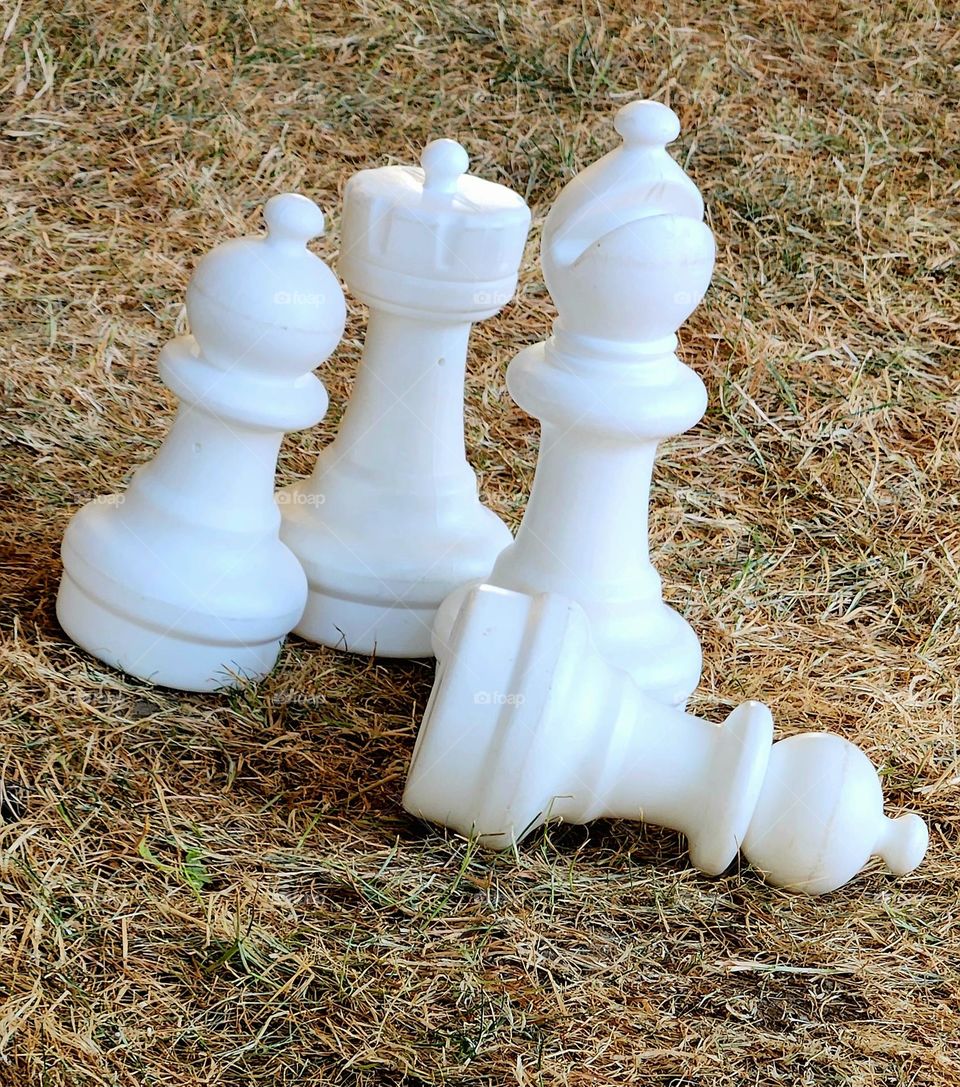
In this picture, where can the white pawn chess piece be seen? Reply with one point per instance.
(626, 257)
(390, 522)
(183, 580)
(527, 722)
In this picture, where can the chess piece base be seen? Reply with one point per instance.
(379, 564)
(157, 656)
(665, 660)
(661, 653)
(381, 618)
(193, 607)
(375, 629)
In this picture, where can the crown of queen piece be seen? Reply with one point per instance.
(432, 237)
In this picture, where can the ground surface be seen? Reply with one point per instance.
(206, 890)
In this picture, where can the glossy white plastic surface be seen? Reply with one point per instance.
(527, 722)
(390, 522)
(183, 580)
(627, 258)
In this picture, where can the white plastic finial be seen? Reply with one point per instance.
(528, 723)
(291, 217)
(820, 817)
(904, 843)
(647, 124)
(444, 162)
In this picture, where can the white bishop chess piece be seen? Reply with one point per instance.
(390, 522)
(626, 257)
(527, 723)
(183, 580)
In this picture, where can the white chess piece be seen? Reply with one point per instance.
(183, 579)
(626, 257)
(390, 522)
(527, 722)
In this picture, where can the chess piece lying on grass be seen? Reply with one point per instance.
(527, 722)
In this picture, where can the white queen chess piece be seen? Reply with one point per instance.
(183, 580)
(626, 257)
(527, 722)
(390, 522)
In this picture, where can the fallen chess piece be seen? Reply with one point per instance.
(528, 723)
(183, 580)
(627, 258)
(390, 521)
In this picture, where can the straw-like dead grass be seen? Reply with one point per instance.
(207, 890)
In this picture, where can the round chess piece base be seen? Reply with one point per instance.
(156, 655)
(377, 574)
(183, 608)
(657, 648)
(375, 629)
(668, 670)
(661, 655)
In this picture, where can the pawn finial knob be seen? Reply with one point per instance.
(267, 303)
(820, 817)
(904, 843)
(293, 219)
(646, 124)
(444, 162)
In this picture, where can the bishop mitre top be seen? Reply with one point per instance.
(625, 253)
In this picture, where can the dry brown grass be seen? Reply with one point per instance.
(208, 890)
